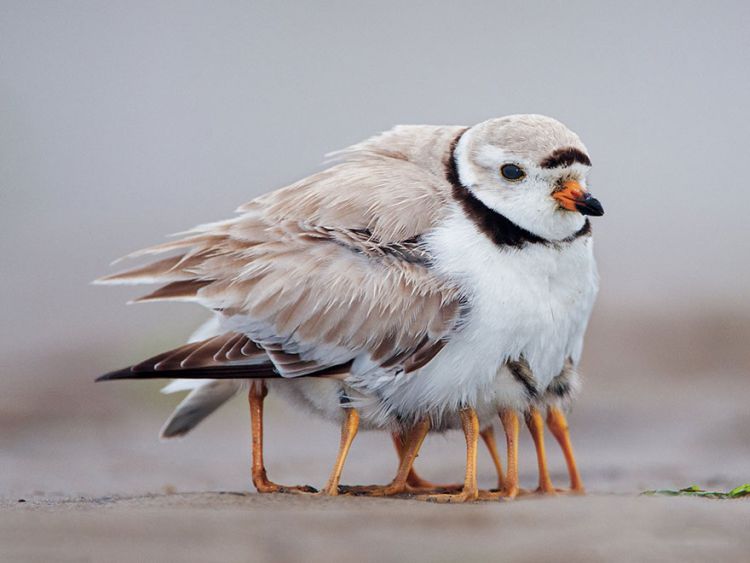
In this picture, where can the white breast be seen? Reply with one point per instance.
(532, 302)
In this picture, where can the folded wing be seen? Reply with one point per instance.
(326, 272)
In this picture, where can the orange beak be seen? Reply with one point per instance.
(573, 197)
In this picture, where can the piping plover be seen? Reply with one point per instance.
(429, 270)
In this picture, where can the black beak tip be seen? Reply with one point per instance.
(590, 206)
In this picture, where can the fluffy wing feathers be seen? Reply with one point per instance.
(322, 271)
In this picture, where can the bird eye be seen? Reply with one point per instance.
(512, 172)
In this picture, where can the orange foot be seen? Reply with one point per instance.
(422, 486)
(540, 491)
(573, 491)
(451, 498)
(391, 490)
(270, 487)
(376, 490)
(505, 494)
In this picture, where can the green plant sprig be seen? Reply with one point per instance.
(696, 491)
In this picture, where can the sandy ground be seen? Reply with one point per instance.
(236, 527)
(663, 407)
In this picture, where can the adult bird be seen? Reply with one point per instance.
(442, 273)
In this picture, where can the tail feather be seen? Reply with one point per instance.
(199, 404)
(177, 385)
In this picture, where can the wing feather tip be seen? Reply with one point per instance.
(108, 280)
(156, 299)
(126, 373)
(167, 433)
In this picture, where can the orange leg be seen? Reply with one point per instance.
(257, 394)
(348, 432)
(412, 479)
(510, 426)
(558, 425)
(488, 435)
(470, 491)
(535, 423)
(412, 442)
(414, 482)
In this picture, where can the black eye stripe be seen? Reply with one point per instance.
(512, 172)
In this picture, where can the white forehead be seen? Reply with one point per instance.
(530, 137)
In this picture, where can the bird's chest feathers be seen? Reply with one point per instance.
(533, 301)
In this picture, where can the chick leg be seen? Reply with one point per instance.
(412, 442)
(488, 436)
(257, 394)
(414, 482)
(509, 419)
(348, 432)
(470, 491)
(558, 425)
(535, 423)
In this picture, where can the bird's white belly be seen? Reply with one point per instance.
(532, 302)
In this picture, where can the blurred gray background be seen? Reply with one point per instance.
(121, 122)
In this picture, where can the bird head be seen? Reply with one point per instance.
(531, 169)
